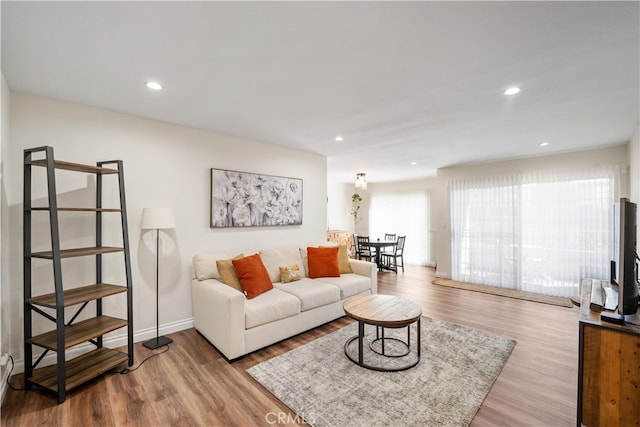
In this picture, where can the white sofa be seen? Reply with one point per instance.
(237, 326)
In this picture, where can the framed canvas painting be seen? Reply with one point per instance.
(242, 199)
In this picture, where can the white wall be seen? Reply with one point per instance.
(634, 173)
(612, 155)
(339, 205)
(164, 166)
(634, 167)
(4, 280)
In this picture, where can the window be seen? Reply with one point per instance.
(537, 232)
(402, 214)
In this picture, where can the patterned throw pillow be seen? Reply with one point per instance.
(290, 273)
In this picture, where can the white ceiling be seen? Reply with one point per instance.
(401, 81)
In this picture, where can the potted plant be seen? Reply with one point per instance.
(356, 199)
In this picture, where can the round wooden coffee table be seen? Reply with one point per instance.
(383, 311)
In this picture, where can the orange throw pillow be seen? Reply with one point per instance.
(253, 275)
(323, 262)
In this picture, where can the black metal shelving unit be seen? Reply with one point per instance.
(69, 373)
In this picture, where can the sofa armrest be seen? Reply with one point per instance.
(218, 314)
(368, 269)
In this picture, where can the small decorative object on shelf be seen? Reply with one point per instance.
(69, 373)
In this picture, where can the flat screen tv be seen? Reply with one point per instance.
(624, 266)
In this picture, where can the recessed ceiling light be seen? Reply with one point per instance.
(543, 144)
(414, 163)
(154, 85)
(512, 90)
(339, 138)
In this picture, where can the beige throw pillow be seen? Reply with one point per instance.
(343, 259)
(227, 272)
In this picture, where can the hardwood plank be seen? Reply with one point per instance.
(537, 386)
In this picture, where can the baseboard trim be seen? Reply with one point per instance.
(3, 385)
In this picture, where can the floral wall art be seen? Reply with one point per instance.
(241, 199)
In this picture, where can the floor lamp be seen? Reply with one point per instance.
(157, 219)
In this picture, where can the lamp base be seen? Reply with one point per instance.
(157, 342)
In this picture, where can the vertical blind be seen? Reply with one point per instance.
(537, 232)
(403, 215)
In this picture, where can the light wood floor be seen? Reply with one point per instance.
(193, 385)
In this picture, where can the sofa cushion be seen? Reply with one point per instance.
(275, 258)
(290, 273)
(252, 275)
(204, 265)
(270, 306)
(349, 284)
(323, 262)
(228, 274)
(311, 293)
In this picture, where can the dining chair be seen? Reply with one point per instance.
(363, 250)
(388, 237)
(392, 261)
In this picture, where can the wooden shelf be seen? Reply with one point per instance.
(70, 253)
(79, 370)
(79, 295)
(46, 208)
(80, 332)
(66, 374)
(76, 167)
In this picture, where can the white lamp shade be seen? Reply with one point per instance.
(157, 218)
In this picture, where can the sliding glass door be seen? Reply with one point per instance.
(537, 232)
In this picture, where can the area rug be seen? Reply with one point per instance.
(321, 385)
(505, 292)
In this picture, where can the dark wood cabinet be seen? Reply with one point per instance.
(68, 373)
(609, 369)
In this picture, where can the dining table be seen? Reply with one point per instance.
(379, 245)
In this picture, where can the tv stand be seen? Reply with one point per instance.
(608, 368)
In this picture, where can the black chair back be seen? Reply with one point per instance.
(389, 237)
(400, 244)
(363, 250)
(363, 243)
